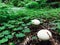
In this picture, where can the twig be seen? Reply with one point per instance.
(27, 40)
(52, 40)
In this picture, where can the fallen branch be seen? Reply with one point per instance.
(53, 42)
(26, 41)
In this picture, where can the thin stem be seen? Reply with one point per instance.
(52, 40)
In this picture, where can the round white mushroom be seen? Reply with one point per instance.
(44, 34)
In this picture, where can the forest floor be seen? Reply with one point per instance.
(36, 41)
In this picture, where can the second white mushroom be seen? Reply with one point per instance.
(35, 22)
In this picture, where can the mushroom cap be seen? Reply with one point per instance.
(44, 34)
(35, 22)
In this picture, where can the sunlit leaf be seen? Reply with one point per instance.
(1, 35)
(18, 28)
(9, 36)
(34, 37)
(2, 28)
(20, 35)
(11, 43)
(6, 32)
(3, 40)
(27, 30)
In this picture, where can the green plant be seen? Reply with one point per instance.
(3, 40)
(6, 32)
(42, 3)
(57, 25)
(32, 5)
(20, 35)
(9, 36)
(10, 28)
(11, 43)
(15, 22)
(27, 30)
(21, 4)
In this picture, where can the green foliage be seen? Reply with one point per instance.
(3, 40)
(27, 30)
(32, 5)
(2, 5)
(21, 4)
(15, 21)
(2, 28)
(41, 1)
(6, 32)
(18, 3)
(20, 35)
(9, 36)
(11, 43)
(1, 35)
(19, 28)
(10, 28)
(34, 37)
(56, 25)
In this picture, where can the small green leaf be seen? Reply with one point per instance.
(21, 28)
(58, 25)
(2, 28)
(28, 24)
(6, 32)
(9, 36)
(23, 25)
(3, 40)
(58, 30)
(20, 35)
(17, 23)
(9, 25)
(15, 29)
(27, 30)
(18, 28)
(13, 33)
(34, 37)
(26, 18)
(11, 43)
(11, 21)
(53, 28)
(1, 35)
(2, 5)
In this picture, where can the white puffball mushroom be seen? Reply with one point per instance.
(44, 34)
(35, 22)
